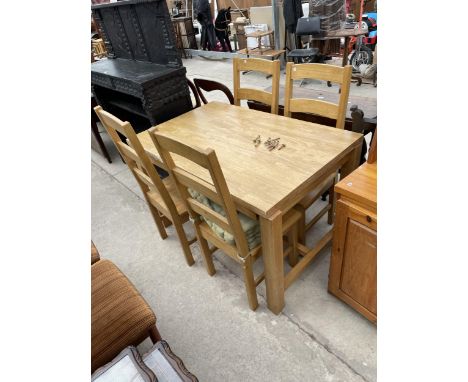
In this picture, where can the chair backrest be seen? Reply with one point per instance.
(195, 93)
(135, 157)
(215, 190)
(332, 73)
(208, 86)
(259, 65)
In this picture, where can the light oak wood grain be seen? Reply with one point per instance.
(337, 74)
(201, 214)
(353, 264)
(262, 181)
(259, 65)
(267, 183)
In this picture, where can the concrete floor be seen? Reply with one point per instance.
(206, 320)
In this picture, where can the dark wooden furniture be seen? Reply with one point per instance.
(185, 34)
(143, 80)
(353, 266)
(96, 133)
(194, 90)
(209, 86)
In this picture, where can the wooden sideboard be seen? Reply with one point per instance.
(353, 265)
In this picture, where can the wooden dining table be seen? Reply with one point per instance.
(267, 183)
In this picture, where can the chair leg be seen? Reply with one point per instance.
(292, 241)
(158, 220)
(154, 334)
(301, 225)
(249, 281)
(184, 242)
(206, 253)
(332, 202)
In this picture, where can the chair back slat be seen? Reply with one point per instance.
(135, 156)
(255, 94)
(191, 181)
(324, 108)
(332, 73)
(128, 151)
(259, 65)
(218, 190)
(144, 178)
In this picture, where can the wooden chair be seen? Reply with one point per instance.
(337, 74)
(209, 86)
(215, 215)
(259, 65)
(162, 197)
(194, 90)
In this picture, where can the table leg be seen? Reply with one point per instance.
(272, 248)
(353, 161)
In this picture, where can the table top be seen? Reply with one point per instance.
(259, 33)
(262, 181)
(361, 185)
(367, 104)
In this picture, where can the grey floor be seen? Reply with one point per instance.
(206, 320)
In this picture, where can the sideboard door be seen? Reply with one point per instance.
(353, 268)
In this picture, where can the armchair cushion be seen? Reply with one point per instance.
(120, 317)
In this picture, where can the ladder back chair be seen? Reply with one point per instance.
(324, 72)
(217, 219)
(258, 65)
(162, 196)
(332, 73)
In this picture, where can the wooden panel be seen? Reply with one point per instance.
(361, 186)
(256, 64)
(359, 272)
(255, 94)
(326, 109)
(320, 72)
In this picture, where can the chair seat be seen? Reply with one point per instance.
(250, 226)
(158, 202)
(295, 53)
(319, 190)
(119, 315)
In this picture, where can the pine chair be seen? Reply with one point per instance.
(162, 197)
(209, 86)
(337, 74)
(259, 65)
(216, 217)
